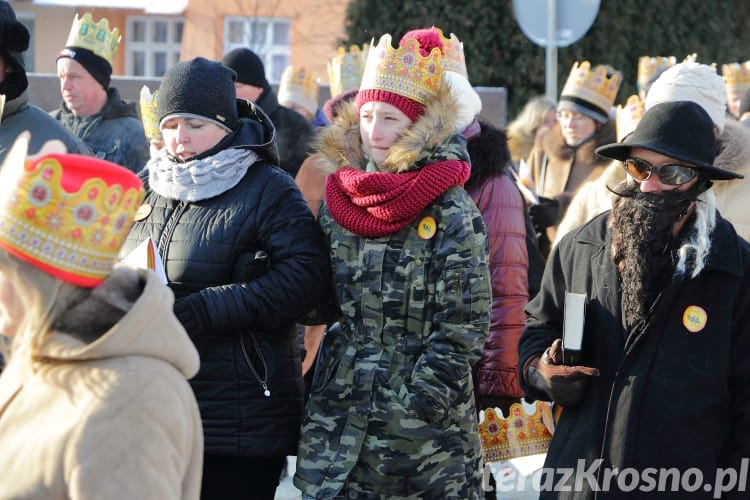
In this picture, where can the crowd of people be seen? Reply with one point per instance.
(198, 286)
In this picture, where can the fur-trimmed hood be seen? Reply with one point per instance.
(734, 149)
(340, 145)
(556, 147)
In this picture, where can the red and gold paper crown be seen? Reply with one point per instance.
(736, 76)
(345, 69)
(96, 37)
(629, 116)
(403, 71)
(518, 435)
(66, 214)
(301, 87)
(647, 65)
(453, 54)
(149, 117)
(592, 85)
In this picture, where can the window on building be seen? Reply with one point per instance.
(267, 37)
(153, 45)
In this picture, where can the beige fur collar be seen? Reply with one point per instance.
(734, 149)
(339, 144)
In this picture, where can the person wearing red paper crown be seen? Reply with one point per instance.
(391, 412)
(94, 402)
(660, 385)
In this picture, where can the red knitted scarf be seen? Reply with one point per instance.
(374, 204)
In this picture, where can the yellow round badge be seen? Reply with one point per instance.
(694, 318)
(427, 227)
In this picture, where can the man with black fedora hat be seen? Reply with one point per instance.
(661, 382)
(18, 114)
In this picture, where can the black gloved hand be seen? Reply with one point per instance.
(545, 213)
(193, 314)
(565, 385)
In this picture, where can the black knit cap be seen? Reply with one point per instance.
(200, 88)
(14, 40)
(682, 130)
(247, 65)
(98, 67)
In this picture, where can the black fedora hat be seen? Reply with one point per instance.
(679, 129)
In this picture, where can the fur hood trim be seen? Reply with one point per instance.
(340, 145)
(734, 149)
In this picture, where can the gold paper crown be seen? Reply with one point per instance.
(647, 65)
(453, 54)
(345, 69)
(518, 435)
(300, 87)
(96, 37)
(592, 85)
(66, 214)
(629, 116)
(403, 71)
(736, 75)
(148, 113)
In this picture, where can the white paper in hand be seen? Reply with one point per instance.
(575, 317)
(146, 256)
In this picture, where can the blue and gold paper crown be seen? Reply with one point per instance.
(66, 214)
(403, 71)
(94, 36)
(149, 117)
(345, 69)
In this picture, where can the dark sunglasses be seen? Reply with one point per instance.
(673, 175)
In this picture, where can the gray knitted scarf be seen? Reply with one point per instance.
(201, 179)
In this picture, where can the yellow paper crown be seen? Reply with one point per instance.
(592, 85)
(66, 214)
(403, 71)
(629, 116)
(345, 69)
(736, 75)
(453, 54)
(149, 117)
(300, 87)
(647, 65)
(518, 435)
(96, 37)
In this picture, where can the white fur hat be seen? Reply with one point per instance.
(691, 81)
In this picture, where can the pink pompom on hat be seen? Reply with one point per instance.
(407, 77)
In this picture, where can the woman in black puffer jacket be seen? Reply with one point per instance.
(245, 260)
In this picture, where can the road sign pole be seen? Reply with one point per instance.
(551, 52)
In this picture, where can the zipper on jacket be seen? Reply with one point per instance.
(459, 295)
(169, 228)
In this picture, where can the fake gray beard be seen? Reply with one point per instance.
(196, 180)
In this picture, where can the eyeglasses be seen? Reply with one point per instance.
(671, 174)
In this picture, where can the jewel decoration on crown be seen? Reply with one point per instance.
(628, 116)
(736, 75)
(518, 435)
(403, 71)
(453, 54)
(345, 69)
(149, 117)
(94, 36)
(647, 65)
(592, 85)
(70, 224)
(299, 82)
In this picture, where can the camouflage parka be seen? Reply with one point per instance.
(391, 412)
